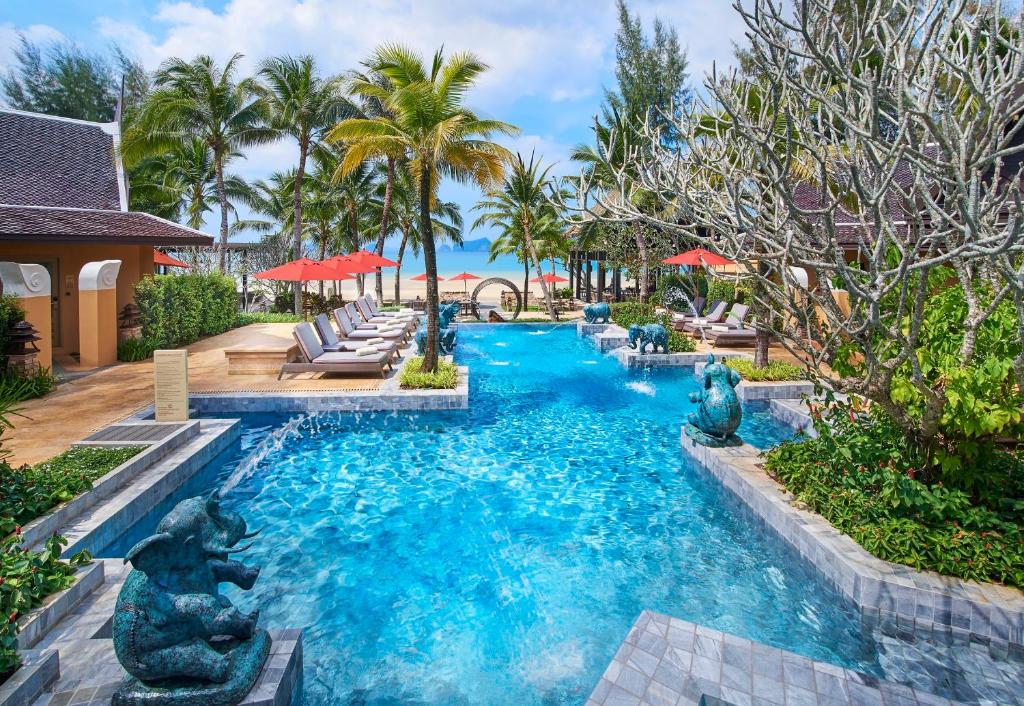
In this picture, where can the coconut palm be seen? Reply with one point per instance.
(303, 104)
(373, 89)
(519, 207)
(439, 137)
(199, 99)
(447, 222)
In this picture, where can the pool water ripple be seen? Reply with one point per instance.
(499, 555)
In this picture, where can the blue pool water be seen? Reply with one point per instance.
(499, 555)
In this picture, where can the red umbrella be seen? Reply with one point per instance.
(463, 277)
(302, 270)
(365, 257)
(697, 258)
(346, 264)
(162, 258)
(423, 278)
(550, 279)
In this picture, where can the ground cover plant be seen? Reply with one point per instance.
(245, 318)
(16, 388)
(26, 578)
(446, 377)
(29, 491)
(626, 314)
(775, 371)
(132, 350)
(864, 476)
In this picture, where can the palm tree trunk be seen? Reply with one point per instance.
(297, 208)
(540, 273)
(526, 283)
(429, 364)
(398, 267)
(222, 254)
(641, 245)
(388, 190)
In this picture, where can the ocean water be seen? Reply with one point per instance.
(499, 555)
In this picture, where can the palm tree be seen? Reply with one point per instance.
(199, 99)
(519, 206)
(447, 222)
(303, 104)
(373, 90)
(439, 137)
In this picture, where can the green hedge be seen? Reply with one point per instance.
(180, 309)
(626, 314)
(245, 318)
(446, 377)
(775, 371)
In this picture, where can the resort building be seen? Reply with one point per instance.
(63, 205)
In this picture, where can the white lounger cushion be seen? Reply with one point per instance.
(371, 341)
(381, 356)
(369, 350)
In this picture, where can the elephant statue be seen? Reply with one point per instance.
(178, 638)
(446, 341)
(719, 412)
(599, 313)
(649, 334)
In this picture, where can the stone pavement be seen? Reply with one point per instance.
(669, 662)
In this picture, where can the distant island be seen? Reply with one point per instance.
(478, 245)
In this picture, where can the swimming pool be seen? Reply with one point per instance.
(499, 555)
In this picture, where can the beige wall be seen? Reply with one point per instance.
(67, 261)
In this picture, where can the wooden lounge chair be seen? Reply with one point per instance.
(733, 320)
(330, 342)
(745, 336)
(349, 330)
(405, 311)
(314, 359)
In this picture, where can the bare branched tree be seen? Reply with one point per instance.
(873, 148)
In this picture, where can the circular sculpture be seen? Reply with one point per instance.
(719, 412)
(487, 283)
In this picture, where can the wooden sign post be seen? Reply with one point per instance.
(170, 373)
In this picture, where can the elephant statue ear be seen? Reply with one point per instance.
(150, 553)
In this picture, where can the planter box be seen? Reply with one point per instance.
(55, 608)
(36, 532)
(37, 672)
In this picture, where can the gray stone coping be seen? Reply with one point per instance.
(941, 606)
(611, 338)
(34, 625)
(584, 329)
(749, 391)
(793, 414)
(39, 669)
(665, 660)
(105, 522)
(36, 532)
(633, 359)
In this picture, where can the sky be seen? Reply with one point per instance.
(550, 59)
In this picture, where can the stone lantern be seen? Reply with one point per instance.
(22, 352)
(130, 323)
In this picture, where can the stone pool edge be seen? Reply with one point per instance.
(929, 603)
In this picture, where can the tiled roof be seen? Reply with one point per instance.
(26, 223)
(49, 161)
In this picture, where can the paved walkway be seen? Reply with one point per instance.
(78, 408)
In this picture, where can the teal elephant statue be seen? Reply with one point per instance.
(599, 313)
(179, 639)
(719, 411)
(648, 335)
(446, 341)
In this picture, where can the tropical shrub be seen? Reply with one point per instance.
(626, 314)
(28, 492)
(319, 304)
(245, 318)
(26, 578)
(446, 377)
(132, 350)
(18, 388)
(865, 477)
(775, 371)
(176, 310)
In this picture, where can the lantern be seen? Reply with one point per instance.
(130, 320)
(22, 351)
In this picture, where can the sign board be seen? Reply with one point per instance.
(170, 373)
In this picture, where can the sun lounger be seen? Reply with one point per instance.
(349, 330)
(330, 342)
(404, 311)
(314, 359)
(746, 336)
(362, 318)
(716, 314)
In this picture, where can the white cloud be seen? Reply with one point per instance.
(9, 39)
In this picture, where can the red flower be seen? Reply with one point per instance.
(17, 530)
(12, 617)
